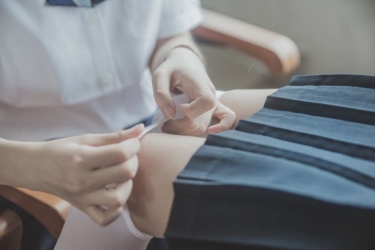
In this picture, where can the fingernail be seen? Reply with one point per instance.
(141, 126)
(138, 126)
(168, 111)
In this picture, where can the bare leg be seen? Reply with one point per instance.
(245, 102)
(161, 159)
(164, 156)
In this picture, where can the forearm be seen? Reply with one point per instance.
(164, 46)
(14, 156)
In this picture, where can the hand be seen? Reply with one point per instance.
(183, 70)
(223, 119)
(78, 169)
(220, 117)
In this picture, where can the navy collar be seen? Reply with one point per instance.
(73, 3)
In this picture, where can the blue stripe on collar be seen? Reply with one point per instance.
(75, 3)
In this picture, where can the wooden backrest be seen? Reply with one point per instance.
(48, 209)
(278, 52)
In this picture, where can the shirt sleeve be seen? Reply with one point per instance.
(179, 16)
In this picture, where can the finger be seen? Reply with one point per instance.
(112, 138)
(210, 84)
(102, 216)
(184, 126)
(226, 119)
(162, 94)
(201, 94)
(111, 197)
(115, 174)
(212, 88)
(199, 105)
(113, 154)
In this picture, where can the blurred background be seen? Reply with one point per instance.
(333, 36)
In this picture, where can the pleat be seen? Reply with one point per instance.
(354, 169)
(299, 174)
(331, 134)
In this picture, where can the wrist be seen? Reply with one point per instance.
(14, 166)
(186, 52)
(9, 165)
(187, 47)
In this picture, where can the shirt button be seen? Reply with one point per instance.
(91, 17)
(106, 79)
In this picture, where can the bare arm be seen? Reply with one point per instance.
(164, 46)
(160, 163)
(12, 155)
(181, 68)
(76, 169)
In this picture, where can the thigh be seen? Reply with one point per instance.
(161, 159)
(245, 102)
(164, 156)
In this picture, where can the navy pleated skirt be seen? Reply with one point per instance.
(299, 174)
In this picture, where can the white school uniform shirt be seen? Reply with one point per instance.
(66, 71)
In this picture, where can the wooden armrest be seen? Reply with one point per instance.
(49, 210)
(279, 53)
(10, 230)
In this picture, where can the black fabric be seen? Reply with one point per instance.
(299, 174)
(157, 244)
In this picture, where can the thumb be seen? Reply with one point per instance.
(162, 94)
(116, 137)
(225, 118)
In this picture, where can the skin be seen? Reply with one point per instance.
(159, 164)
(78, 169)
(180, 68)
